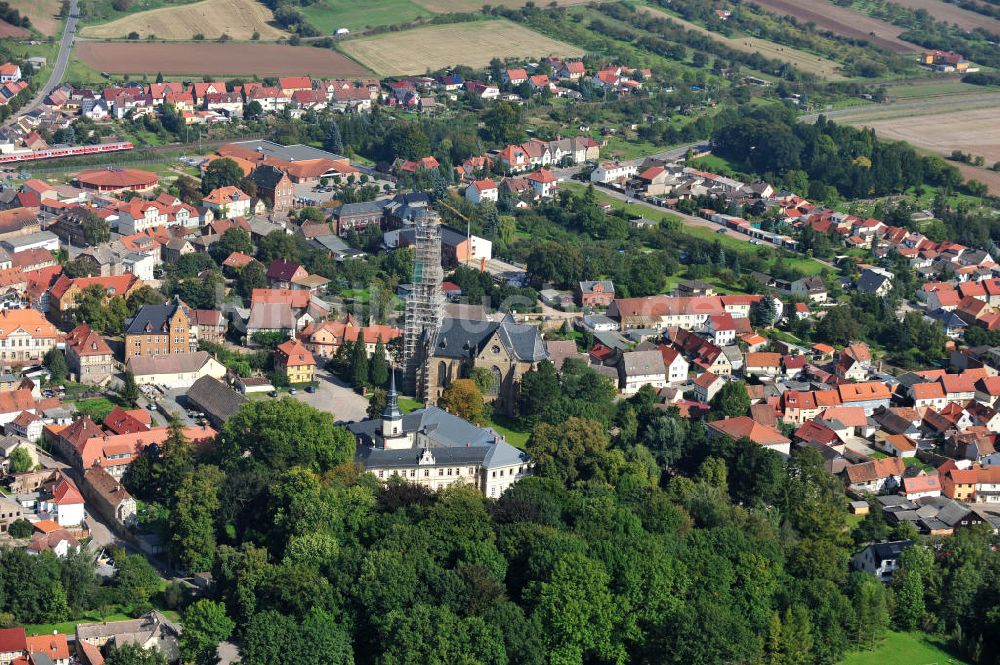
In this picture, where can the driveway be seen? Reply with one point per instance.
(334, 396)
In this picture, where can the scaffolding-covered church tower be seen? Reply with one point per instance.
(425, 303)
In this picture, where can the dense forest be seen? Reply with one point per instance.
(656, 545)
(824, 156)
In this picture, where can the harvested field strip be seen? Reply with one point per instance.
(44, 14)
(446, 6)
(806, 62)
(216, 59)
(975, 132)
(237, 18)
(949, 13)
(435, 47)
(843, 21)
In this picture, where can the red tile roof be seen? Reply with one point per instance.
(746, 427)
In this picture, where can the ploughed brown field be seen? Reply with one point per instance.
(8, 31)
(843, 21)
(216, 59)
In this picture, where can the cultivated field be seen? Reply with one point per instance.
(237, 18)
(196, 59)
(330, 15)
(435, 47)
(8, 31)
(977, 132)
(949, 13)
(44, 14)
(446, 6)
(806, 62)
(843, 21)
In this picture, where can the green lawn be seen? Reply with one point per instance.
(510, 431)
(905, 649)
(329, 15)
(96, 407)
(407, 404)
(69, 627)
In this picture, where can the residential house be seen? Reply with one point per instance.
(25, 337)
(875, 476)
(612, 172)
(812, 288)
(918, 487)
(543, 182)
(959, 484)
(175, 370)
(159, 330)
(54, 647)
(13, 643)
(746, 427)
(281, 273)
(207, 325)
(88, 356)
(482, 190)
(112, 501)
(675, 364)
(64, 292)
(597, 294)
(640, 368)
(880, 559)
(228, 202)
(762, 364)
(275, 186)
(294, 361)
(874, 283)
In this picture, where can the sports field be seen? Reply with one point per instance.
(806, 62)
(200, 58)
(237, 18)
(44, 14)
(438, 46)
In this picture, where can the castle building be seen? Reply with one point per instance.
(435, 449)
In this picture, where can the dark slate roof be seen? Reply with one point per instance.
(151, 318)
(891, 549)
(459, 338)
(449, 237)
(266, 176)
(869, 281)
(451, 440)
(215, 398)
(363, 207)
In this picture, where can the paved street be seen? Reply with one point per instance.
(59, 68)
(334, 396)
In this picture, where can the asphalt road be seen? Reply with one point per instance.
(59, 68)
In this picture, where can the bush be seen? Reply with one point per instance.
(133, 35)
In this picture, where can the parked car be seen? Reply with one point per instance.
(292, 391)
(273, 393)
(310, 389)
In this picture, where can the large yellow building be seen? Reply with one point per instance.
(295, 362)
